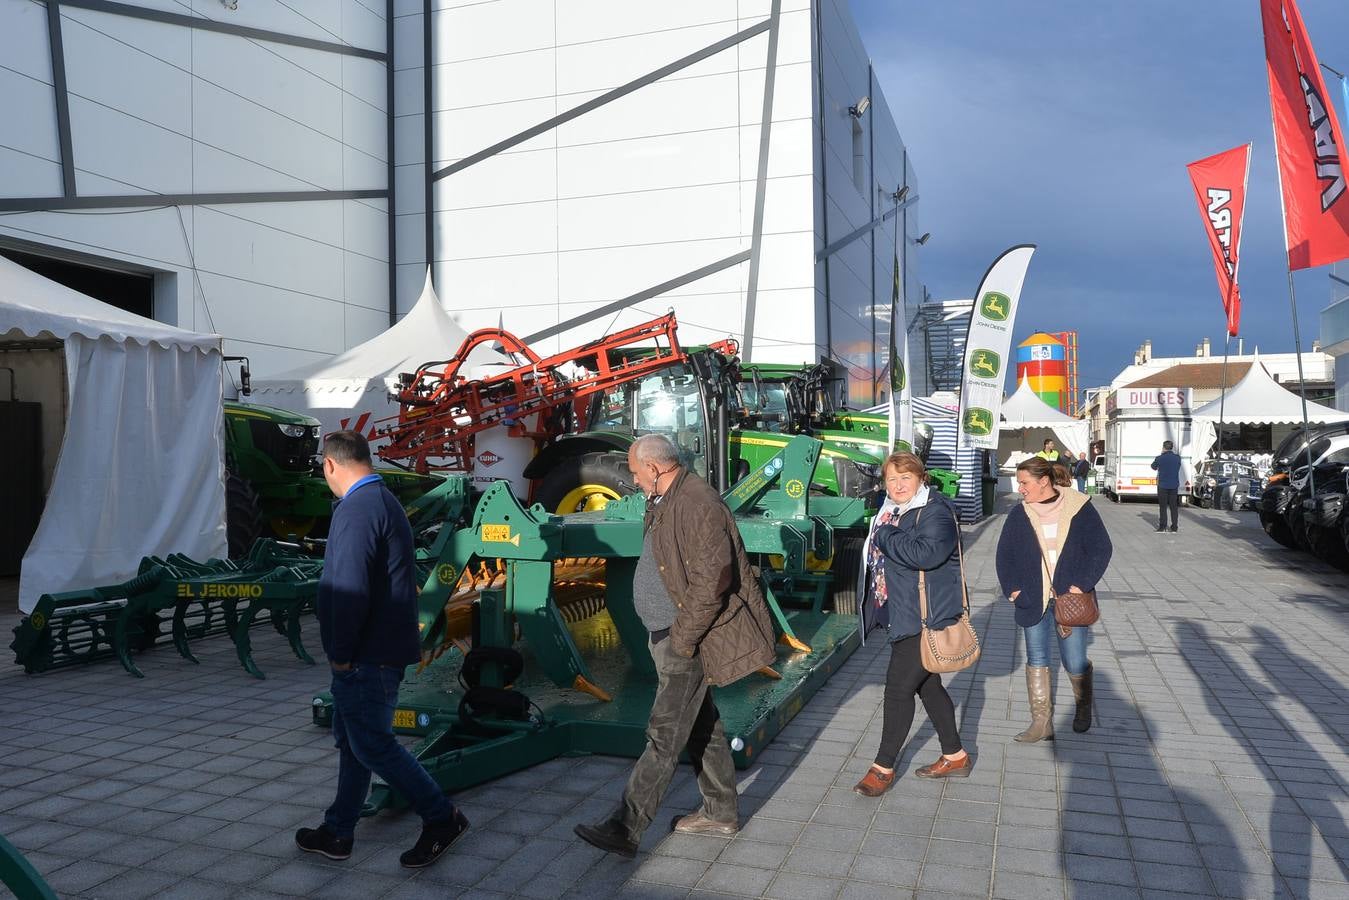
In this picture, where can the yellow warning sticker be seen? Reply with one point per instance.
(496, 534)
(404, 718)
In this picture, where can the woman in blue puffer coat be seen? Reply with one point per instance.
(915, 532)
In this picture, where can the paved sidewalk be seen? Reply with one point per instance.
(1218, 766)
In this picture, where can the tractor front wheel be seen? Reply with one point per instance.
(243, 515)
(586, 482)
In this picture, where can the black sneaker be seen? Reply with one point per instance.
(608, 836)
(1173, 529)
(1160, 529)
(435, 840)
(322, 841)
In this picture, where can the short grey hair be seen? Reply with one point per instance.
(657, 448)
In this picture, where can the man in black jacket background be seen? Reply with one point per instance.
(367, 608)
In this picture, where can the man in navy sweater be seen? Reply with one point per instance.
(1167, 467)
(367, 608)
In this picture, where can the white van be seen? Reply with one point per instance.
(1139, 421)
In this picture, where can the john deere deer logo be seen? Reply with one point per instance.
(994, 306)
(978, 421)
(985, 364)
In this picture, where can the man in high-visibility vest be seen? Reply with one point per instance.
(1049, 452)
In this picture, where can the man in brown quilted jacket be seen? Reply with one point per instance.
(709, 625)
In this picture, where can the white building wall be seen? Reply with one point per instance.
(655, 184)
(159, 108)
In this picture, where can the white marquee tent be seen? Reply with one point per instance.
(351, 389)
(1027, 421)
(1257, 399)
(141, 467)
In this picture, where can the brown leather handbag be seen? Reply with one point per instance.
(1071, 608)
(956, 646)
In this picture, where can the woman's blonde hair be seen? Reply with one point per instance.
(903, 461)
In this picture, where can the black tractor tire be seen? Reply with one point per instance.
(243, 515)
(847, 563)
(1328, 546)
(606, 472)
(1276, 526)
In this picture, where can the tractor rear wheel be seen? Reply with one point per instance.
(847, 563)
(586, 482)
(243, 515)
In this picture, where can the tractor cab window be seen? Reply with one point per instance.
(666, 403)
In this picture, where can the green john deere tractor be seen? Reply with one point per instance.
(274, 486)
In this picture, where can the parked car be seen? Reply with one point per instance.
(1222, 483)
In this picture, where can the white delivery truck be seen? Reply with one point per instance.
(1138, 420)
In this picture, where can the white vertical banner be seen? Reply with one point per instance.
(901, 405)
(988, 348)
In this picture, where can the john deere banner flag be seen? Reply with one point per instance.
(1220, 187)
(901, 405)
(988, 348)
(1309, 142)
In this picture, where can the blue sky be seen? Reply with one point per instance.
(1069, 125)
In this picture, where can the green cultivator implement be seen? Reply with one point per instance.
(584, 682)
(18, 874)
(198, 599)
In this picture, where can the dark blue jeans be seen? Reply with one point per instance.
(363, 703)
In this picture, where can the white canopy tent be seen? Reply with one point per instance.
(1257, 399)
(351, 390)
(142, 465)
(1027, 421)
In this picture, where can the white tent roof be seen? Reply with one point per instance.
(34, 306)
(1258, 399)
(1025, 409)
(426, 333)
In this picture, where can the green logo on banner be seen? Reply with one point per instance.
(995, 307)
(897, 374)
(985, 364)
(978, 421)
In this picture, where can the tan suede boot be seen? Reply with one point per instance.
(1041, 706)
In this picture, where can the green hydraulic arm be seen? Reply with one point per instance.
(18, 874)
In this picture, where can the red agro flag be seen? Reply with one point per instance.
(1220, 187)
(1309, 142)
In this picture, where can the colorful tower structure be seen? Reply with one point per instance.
(1041, 359)
(1069, 339)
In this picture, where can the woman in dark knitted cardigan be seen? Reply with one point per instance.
(1055, 530)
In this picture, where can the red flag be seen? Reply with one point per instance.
(1220, 187)
(1309, 141)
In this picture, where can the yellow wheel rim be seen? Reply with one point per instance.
(284, 526)
(586, 498)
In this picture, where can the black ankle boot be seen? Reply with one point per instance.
(1082, 693)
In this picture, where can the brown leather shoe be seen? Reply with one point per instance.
(701, 823)
(948, 768)
(874, 783)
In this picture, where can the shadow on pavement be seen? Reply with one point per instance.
(1125, 823)
(1291, 818)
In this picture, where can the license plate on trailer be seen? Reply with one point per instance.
(404, 718)
(1142, 481)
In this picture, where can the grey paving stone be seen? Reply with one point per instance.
(1099, 869)
(886, 870)
(82, 875)
(814, 861)
(748, 853)
(671, 870)
(739, 880)
(791, 886)
(1019, 886)
(1163, 876)
(135, 884)
(1044, 863)
(955, 880)
(1174, 852)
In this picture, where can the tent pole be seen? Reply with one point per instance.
(1222, 398)
(1302, 384)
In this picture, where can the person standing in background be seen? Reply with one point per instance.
(1167, 467)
